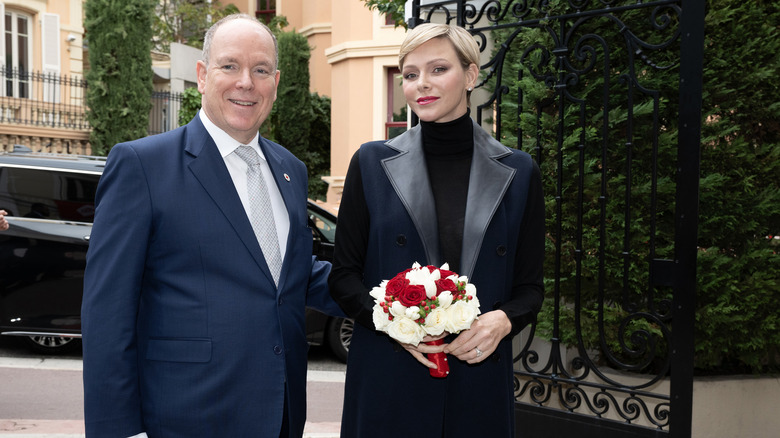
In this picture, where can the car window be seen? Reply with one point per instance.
(48, 194)
(326, 227)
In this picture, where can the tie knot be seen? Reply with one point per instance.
(248, 154)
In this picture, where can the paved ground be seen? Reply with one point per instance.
(43, 398)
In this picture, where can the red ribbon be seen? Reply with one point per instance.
(440, 359)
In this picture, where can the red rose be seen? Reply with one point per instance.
(445, 273)
(395, 286)
(445, 284)
(412, 295)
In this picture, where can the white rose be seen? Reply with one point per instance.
(460, 315)
(425, 278)
(380, 319)
(413, 313)
(398, 309)
(435, 322)
(417, 275)
(445, 299)
(430, 289)
(405, 331)
(378, 294)
(474, 302)
(471, 289)
(445, 267)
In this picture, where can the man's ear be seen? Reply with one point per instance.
(201, 70)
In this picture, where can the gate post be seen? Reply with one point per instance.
(686, 216)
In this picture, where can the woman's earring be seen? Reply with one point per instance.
(470, 88)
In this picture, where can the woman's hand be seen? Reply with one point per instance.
(420, 350)
(481, 340)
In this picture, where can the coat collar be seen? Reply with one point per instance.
(488, 182)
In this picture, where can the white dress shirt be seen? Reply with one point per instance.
(238, 167)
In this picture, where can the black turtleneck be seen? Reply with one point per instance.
(449, 147)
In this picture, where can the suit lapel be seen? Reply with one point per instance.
(208, 167)
(409, 177)
(488, 182)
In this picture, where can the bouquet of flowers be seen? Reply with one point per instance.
(425, 300)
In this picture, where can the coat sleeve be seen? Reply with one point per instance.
(528, 275)
(346, 278)
(318, 296)
(112, 289)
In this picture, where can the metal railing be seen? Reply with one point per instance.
(164, 115)
(42, 99)
(55, 101)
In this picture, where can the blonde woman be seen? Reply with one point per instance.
(444, 191)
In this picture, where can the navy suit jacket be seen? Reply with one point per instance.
(184, 331)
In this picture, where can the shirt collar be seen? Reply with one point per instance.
(225, 143)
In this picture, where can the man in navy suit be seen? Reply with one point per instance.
(186, 331)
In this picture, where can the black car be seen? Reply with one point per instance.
(50, 200)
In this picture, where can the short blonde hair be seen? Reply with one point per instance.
(463, 42)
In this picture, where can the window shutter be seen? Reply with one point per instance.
(2, 35)
(50, 54)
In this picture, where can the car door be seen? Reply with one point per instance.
(43, 253)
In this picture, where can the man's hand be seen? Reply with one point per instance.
(3, 223)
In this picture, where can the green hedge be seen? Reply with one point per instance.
(120, 76)
(300, 120)
(737, 321)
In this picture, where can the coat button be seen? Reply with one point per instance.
(496, 357)
(400, 240)
(277, 350)
(501, 250)
(497, 305)
(281, 300)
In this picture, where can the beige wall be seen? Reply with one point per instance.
(245, 6)
(736, 406)
(319, 36)
(351, 51)
(70, 14)
(67, 43)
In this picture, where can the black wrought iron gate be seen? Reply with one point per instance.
(606, 95)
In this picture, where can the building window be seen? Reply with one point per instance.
(266, 10)
(396, 105)
(17, 62)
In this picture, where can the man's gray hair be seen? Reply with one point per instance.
(209, 37)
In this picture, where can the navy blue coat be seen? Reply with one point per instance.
(185, 333)
(388, 393)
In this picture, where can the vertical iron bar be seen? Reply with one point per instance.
(686, 215)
